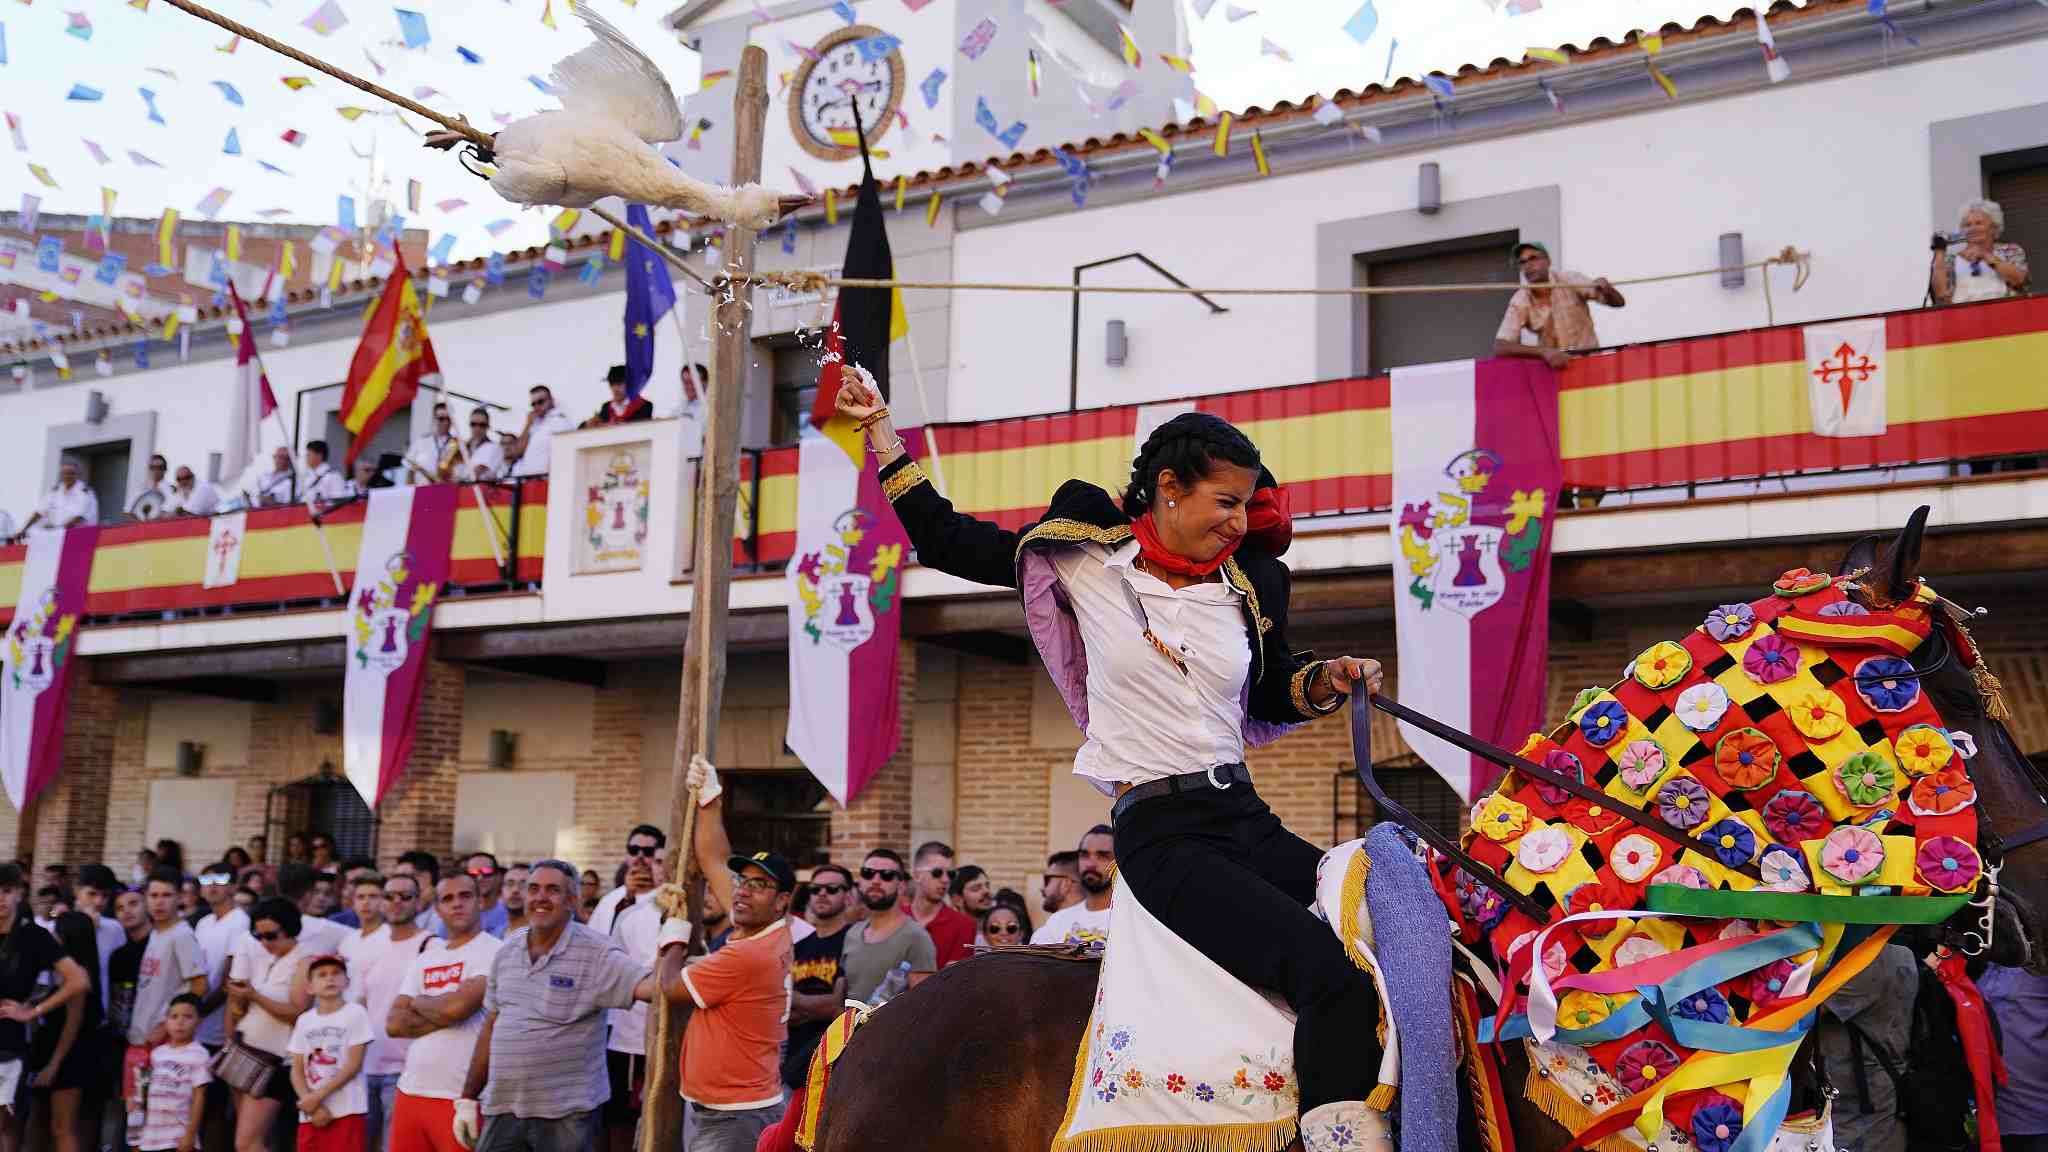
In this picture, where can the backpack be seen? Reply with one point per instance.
(1935, 1112)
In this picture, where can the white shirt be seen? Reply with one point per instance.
(324, 483)
(487, 457)
(61, 505)
(322, 936)
(162, 499)
(438, 1062)
(173, 1073)
(324, 1039)
(217, 936)
(1984, 283)
(275, 487)
(200, 500)
(535, 461)
(1076, 925)
(426, 454)
(636, 930)
(1145, 719)
(361, 951)
(109, 934)
(272, 976)
(382, 978)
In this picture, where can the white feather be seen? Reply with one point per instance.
(613, 80)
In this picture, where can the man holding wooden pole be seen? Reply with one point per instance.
(704, 657)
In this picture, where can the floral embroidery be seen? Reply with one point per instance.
(1176, 1083)
(1583, 1009)
(1818, 715)
(1730, 622)
(1204, 1093)
(1122, 1038)
(1602, 721)
(1134, 1079)
(1715, 1125)
(1106, 1093)
(1634, 857)
(1770, 984)
(1887, 683)
(1746, 758)
(1564, 764)
(1274, 1082)
(1948, 863)
(1641, 763)
(1782, 871)
(1636, 949)
(1791, 816)
(1662, 664)
(1241, 1079)
(1923, 749)
(1683, 802)
(1798, 582)
(1700, 707)
(1683, 875)
(1499, 818)
(1707, 1005)
(1542, 849)
(1732, 841)
(1645, 1063)
(1843, 608)
(1867, 779)
(1770, 658)
(1946, 791)
(1851, 853)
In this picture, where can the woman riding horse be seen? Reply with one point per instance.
(1163, 623)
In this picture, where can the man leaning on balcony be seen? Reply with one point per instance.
(1559, 317)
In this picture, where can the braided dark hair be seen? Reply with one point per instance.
(1189, 444)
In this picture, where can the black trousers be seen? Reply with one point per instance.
(1219, 869)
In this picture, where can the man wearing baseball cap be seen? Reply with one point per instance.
(733, 1043)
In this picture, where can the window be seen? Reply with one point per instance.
(794, 371)
(779, 811)
(106, 473)
(1431, 328)
(1415, 786)
(2019, 182)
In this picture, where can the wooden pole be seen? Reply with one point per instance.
(704, 655)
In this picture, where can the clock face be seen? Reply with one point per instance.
(856, 63)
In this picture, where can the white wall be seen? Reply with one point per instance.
(1836, 166)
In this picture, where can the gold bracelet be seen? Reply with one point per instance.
(876, 416)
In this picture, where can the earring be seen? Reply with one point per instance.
(1172, 504)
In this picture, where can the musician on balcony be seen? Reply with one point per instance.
(1557, 316)
(1162, 619)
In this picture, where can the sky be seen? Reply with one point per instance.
(178, 57)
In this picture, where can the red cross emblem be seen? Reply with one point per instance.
(225, 546)
(1848, 369)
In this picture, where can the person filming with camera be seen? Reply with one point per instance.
(1974, 264)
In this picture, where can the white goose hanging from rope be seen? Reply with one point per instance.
(615, 108)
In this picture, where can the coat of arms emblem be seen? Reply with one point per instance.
(844, 585)
(387, 618)
(39, 643)
(615, 511)
(1462, 548)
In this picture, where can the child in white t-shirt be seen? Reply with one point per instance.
(328, 1044)
(175, 1103)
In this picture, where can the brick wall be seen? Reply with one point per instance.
(880, 815)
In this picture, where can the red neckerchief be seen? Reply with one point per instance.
(1270, 520)
(1157, 555)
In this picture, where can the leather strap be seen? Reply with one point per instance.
(1220, 778)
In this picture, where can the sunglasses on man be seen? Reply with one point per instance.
(939, 873)
(888, 874)
(647, 850)
(828, 889)
(482, 871)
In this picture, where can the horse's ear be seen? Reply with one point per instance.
(1900, 565)
(1861, 555)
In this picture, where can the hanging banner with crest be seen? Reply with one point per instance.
(400, 570)
(1476, 476)
(35, 678)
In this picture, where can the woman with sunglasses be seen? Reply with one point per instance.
(1163, 622)
(1005, 926)
(267, 992)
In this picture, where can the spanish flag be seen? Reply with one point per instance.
(391, 361)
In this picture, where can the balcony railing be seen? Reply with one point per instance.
(1962, 384)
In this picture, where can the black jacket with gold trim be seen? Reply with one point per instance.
(1276, 690)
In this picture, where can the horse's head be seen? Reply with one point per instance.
(2012, 806)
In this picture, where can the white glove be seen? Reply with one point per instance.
(469, 1122)
(674, 930)
(703, 780)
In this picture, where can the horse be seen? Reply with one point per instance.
(982, 1055)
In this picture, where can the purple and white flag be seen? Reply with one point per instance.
(401, 567)
(35, 662)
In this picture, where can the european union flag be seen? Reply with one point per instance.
(649, 295)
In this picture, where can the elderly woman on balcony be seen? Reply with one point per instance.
(1982, 268)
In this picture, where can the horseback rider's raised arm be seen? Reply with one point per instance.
(949, 541)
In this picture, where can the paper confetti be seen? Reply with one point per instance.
(412, 27)
(1774, 64)
(267, 166)
(442, 249)
(546, 88)
(166, 233)
(547, 15)
(1128, 45)
(1440, 85)
(845, 11)
(710, 79)
(472, 292)
(450, 205)
(98, 153)
(977, 39)
(1202, 8)
(1180, 64)
(537, 281)
(498, 228)
(807, 53)
(930, 88)
(349, 112)
(293, 137)
(494, 269)
(1233, 13)
(326, 18)
(1327, 113)
(931, 209)
(234, 242)
(1523, 7)
(1392, 46)
(42, 175)
(1154, 139)
(295, 83)
(1371, 133)
(84, 94)
(412, 196)
(875, 49)
(49, 254)
(983, 116)
(1031, 70)
(1547, 55)
(76, 24)
(1651, 42)
(1664, 82)
(1259, 153)
(228, 49)
(1549, 93)
(141, 161)
(374, 62)
(14, 129)
(210, 205)
(563, 222)
(1222, 146)
(1363, 22)
(468, 57)
(1204, 107)
(233, 147)
(3, 43)
(345, 212)
(1268, 48)
(31, 209)
(425, 92)
(804, 184)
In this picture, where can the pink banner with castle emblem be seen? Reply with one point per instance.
(35, 665)
(1476, 473)
(400, 570)
(845, 614)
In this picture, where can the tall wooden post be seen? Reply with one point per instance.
(704, 656)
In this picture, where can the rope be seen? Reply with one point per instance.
(800, 280)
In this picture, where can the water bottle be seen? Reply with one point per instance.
(894, 984)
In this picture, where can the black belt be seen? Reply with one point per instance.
(1220, 777)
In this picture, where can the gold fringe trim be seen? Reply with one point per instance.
(1556, 1103)
(1271, 1136)
(1380, 1098)
(1073, 532)
(1350, 898)
(902, 481)
(1991, 690)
